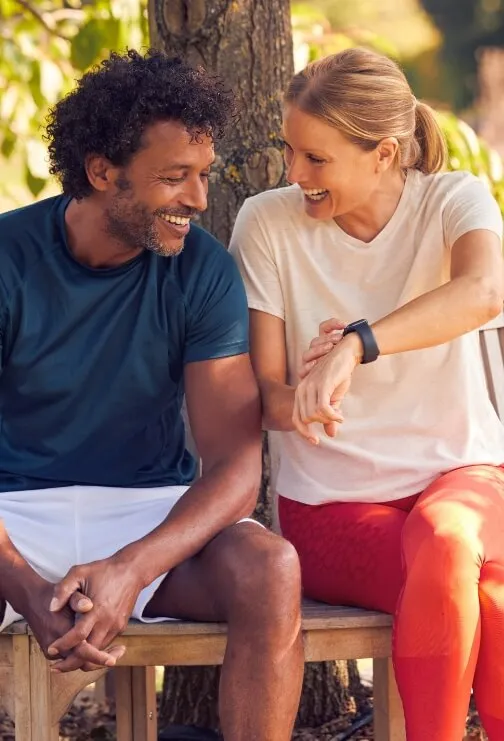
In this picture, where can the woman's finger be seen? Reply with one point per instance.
(317, 351)
(305, 369)
(330, 325)
(303, 429)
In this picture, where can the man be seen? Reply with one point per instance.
(112, 307)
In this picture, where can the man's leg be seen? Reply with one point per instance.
(250, 578)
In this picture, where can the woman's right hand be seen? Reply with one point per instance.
(330, 333)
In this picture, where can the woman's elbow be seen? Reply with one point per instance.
(490, 296)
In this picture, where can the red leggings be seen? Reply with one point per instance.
(436, 561)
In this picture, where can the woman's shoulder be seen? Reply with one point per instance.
(275, 203)
(445, 185)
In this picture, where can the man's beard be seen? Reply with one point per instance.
(132, 224)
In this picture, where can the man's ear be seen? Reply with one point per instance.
(387, 151)
(100, 171)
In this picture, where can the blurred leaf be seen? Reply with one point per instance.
(35, 185)
(36, 159)
(8, 144)
(51, 80)
(38, 67)
(97, 35)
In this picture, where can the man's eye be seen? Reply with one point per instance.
(172, 181)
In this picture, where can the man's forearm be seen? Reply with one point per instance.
(17, 578)
(277, 405)
(217, 500)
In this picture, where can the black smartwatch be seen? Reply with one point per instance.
(369, 345)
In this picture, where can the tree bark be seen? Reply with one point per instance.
(249, 44)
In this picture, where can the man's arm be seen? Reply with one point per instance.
(224, 412)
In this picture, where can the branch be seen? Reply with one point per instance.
(41, 19)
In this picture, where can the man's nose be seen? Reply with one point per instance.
(195, 195)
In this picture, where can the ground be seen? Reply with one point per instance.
(88, 720)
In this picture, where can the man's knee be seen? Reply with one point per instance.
(263, 577)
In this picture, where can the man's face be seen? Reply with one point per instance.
(166, 183)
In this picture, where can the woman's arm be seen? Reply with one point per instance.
(269, 360)
(472, 297)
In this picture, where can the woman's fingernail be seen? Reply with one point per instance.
(54, 604)
(83, 603)
(110, 662)
(52, 651)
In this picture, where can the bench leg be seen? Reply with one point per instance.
(52, 694)
(42, 726)
(388, 712)
(136, 711)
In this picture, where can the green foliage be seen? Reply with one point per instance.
(467, 151)
(467, 26)
(44, 46)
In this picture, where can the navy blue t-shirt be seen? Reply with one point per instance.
(92, 360)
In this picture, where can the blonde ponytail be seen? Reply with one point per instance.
(430, 139)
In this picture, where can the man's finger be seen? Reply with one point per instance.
(80, 632)
(116, 651)
(87, 655)
(79, 602)
(64, 589)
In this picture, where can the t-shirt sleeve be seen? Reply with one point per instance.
(252, 251)
(471, 207)
(217, 325)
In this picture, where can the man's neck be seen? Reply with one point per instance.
(88, 238)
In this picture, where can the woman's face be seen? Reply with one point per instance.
(336, 176)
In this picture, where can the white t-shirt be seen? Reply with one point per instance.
(408, 417)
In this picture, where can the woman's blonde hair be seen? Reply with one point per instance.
(367, 98)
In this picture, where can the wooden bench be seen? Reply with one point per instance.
(36, 699)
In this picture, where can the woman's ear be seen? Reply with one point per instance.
(387, 151)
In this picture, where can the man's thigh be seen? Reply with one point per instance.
(231, 567)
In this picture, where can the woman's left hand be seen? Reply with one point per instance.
(319, 395)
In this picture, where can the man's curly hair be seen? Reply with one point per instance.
(115, 102)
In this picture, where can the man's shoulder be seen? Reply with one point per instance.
(25, 229)
(24, 219)
(200, 242)
(203, 254)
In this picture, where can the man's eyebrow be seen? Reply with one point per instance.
(180, 166)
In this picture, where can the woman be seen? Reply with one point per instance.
(390, 483)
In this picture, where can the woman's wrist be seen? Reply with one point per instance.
(350, 344)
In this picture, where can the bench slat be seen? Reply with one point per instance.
(316, 616)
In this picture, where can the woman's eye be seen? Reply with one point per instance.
(315, 160)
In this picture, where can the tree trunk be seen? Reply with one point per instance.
(249, 44)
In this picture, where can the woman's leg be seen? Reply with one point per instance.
(452, 601)
(350, 553)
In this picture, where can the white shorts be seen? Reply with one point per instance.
(55, 529)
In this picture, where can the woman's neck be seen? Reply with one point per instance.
(368, 220)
